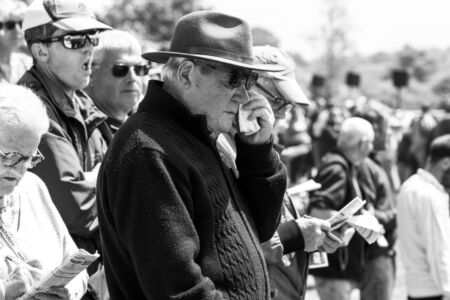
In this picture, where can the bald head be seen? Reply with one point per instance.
(356, 137)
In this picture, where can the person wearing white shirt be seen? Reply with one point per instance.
(424, 226)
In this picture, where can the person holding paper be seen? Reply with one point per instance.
(287, 252)
(345, 174)
(33, 237)
(424, 226)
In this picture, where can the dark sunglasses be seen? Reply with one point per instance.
(238, 77)
(278, 102)
(122, 70)
(10, 25)
(74, 40)
(12, 159)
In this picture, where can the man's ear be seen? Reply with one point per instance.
(445, 163)
(40, 52)
(185, 73)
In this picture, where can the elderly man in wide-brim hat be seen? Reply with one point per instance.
(175, 221)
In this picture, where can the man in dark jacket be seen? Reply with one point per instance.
(61, 36)
(345, 173)
(175, 221)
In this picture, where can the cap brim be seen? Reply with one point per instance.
(163, 56)
(80, 24)
(290, 90)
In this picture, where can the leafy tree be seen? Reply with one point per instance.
(421, 64)
(151, 19)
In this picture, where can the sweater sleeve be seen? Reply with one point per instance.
(262, 180)
(152, 208)
(78, 286)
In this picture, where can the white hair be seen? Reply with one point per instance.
(116, 40)
(19, 105)
(354, 130)
(171, 67)
(12, 9)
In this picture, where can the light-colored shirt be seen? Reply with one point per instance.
(40, 233)
(424, 235)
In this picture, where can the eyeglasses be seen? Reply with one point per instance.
(74, 41)
(10, 25)
(238, 77)
(121, 70)
(12, 159)
(278, 102)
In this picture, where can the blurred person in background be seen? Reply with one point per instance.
(424, 226)
(378, 278)
(325, 130)
(61, 35)
(117, 74)
(13, 63)
(338, 175)
(28, 217)
(413, 147)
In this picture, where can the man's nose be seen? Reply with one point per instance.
(241, 95)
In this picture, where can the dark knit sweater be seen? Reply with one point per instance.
(174, 221)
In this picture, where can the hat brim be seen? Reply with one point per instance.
(80, 24)
(290, 90)
(163, 56)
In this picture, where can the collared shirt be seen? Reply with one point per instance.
(424, 227)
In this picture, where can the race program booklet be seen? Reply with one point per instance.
(64, 273)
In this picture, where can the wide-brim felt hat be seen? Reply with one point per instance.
(212, 36)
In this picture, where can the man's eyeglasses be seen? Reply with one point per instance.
(121, 70)
(74, 40)
(238, 77)
(10, 25)
(12, 159)
(278, 102)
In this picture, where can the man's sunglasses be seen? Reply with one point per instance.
(122, 70)
(74, 40)
(10, 25)
(12, 159)
(238, 77)
(278, 102)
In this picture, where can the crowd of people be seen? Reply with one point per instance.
(180, 178)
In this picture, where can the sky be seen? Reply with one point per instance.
(374, 25)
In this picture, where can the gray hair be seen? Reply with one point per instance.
(354, 130)
(19, 105)
(171, 67)
(12, 9)
(116, 40)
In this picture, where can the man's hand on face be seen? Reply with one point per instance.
(261, 111)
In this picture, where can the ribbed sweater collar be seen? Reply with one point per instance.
(158, 100)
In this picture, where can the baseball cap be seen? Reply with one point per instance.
(284, 81)
(69, 15)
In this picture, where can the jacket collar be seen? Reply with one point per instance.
(81, 107)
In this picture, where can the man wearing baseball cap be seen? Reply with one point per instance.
(175, 221)
(61, 36)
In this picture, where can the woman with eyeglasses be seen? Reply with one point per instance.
(13, 62)
(33, 237)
